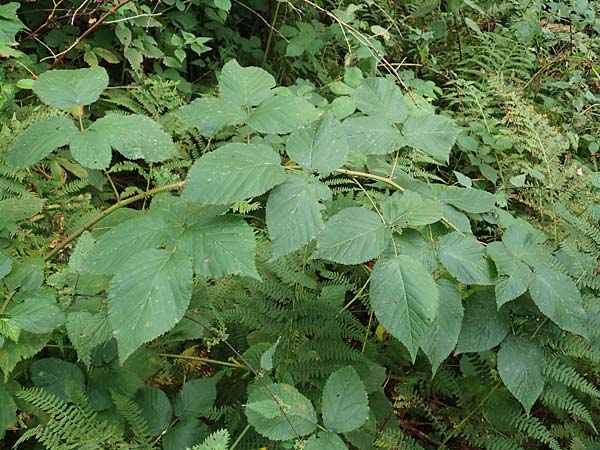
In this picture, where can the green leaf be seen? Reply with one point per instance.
(520, 363)
(442, 336)
(221, 246)
(135, 137)
(266, 359)
(39, 140)
(465, 259)
(345, 401)
(211, 115)
(483, 326)
(433, 135)
(298, 410)
(87, 331)
(404, 298)
(91, 149)
(219, 440)
(156, 409)
(65, 89)
(371, 135)
(409, 209)
(352, 236)
(514, 277)
(184, 434)
(195, 398)
(10, 25)
(11, 353)
(5, 264)
(468, 199)
(52, 374)
(38, 313)
(558, 298)
(294, 213)
(282, 114)
(8, 408)
(18, 209)
(116, 246)
(28, 275)
(245, 85)
(233, 172)
(379, 96)
(321, 146)
(325, 441)
(148, 296)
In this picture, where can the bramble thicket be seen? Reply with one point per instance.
(303, 224)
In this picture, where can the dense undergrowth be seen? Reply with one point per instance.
(319, 225)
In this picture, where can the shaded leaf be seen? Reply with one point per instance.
(409, 209)
(483, 326)
(520, 363)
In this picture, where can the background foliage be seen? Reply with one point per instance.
(302, 224)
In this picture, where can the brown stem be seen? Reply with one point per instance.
(90, 223)
(87, 32)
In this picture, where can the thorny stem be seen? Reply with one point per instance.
(90, 223)
(253, 370)
(58, 58)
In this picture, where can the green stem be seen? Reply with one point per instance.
(393, 184)
(240, 437)
(468, 416)
(90, 223)
(270, 38)
(204, 360)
